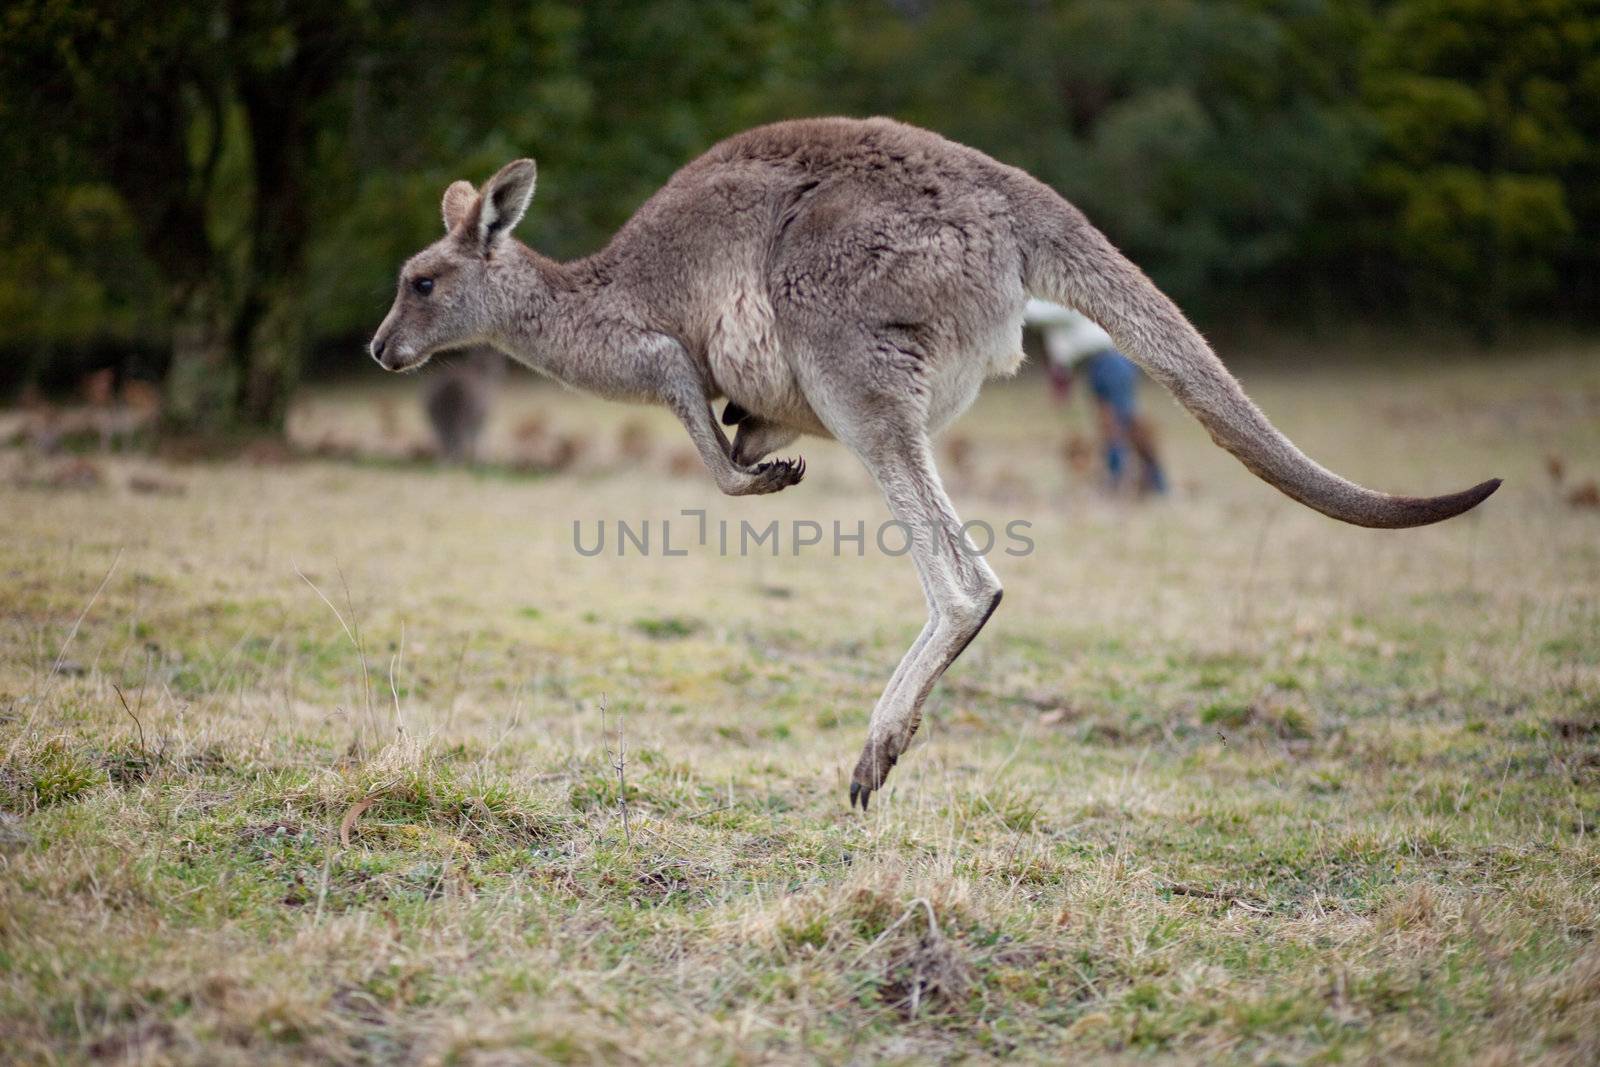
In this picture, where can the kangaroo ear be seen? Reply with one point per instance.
(458, 202)
(505, 198)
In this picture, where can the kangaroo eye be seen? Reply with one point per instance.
(423, 286)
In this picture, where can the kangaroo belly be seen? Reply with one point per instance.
(992, 349)
(747, 363)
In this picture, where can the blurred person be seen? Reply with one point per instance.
(1073, 343)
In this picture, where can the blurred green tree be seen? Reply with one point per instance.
(1490, 111)
(204, 121)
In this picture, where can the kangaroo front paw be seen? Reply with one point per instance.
(778, 474)
(877, 760)
(768, 477)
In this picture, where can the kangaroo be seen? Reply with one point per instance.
(851, 278)
(457, 403)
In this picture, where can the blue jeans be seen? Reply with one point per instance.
(1114, 380)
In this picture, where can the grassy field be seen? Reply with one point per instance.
(317, 761)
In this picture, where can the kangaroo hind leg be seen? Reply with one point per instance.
(961, 589)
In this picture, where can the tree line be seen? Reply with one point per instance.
(220, 193)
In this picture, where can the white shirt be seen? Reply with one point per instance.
(1068, 336)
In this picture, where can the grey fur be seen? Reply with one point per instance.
(849, 278)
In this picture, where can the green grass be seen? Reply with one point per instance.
(329, 770)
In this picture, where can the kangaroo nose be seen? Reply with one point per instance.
(377, 349)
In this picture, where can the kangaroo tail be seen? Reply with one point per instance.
(1070, 262)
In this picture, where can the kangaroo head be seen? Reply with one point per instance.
(445, 299)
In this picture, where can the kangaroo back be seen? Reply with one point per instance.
(1070, 262)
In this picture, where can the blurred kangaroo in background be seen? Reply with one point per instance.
(857, 279)
(457, 400)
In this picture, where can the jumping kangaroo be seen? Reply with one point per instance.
(857, 279)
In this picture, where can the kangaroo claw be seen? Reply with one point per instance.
(877, 760)
(776, 474)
